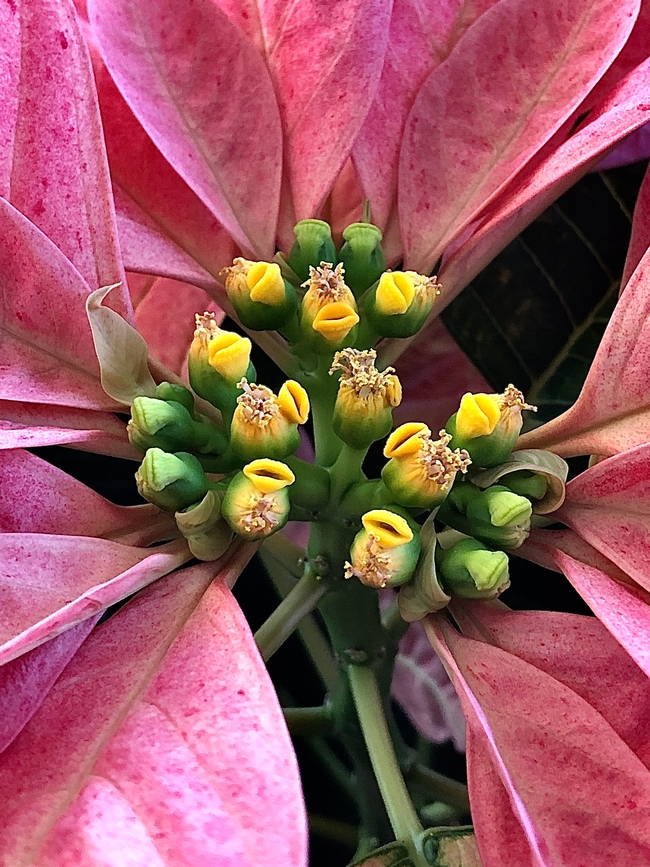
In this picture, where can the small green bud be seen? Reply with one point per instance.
(262, 298)
(500, 517)
(176, 393)
(313, 245)
(399, 304)
(171, 481)
(362, 256)
(528, 484)
(472, 571)
(207, 534)
(168, 425)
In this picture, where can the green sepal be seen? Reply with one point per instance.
(405, 492)
(485, 451)
(528, 484)
(177, 393)
(360, 431)
(171, 481)
(471, 570)
(259, 316)
(208, 535)
(312, 246)
(362, 256)
(277, 448)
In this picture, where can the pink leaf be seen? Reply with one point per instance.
(147, 250)
(609, 506)
(46, 351)
(611, 414)
(425, 693)
(421, 37)
(559, 165)
(182, 757)
(326, 57)
(507, 86)
(640, 240)
(196, 84)
(25, 681)
(580, 792)
(632, 149)
(53, 164)
(37, 497)
(29, 425)
(49, 583)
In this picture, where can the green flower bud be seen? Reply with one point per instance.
(168, 425)
(398, 305)
(534, 486)
(470, 570)
(208, 535)
(313, 244)
(500, 517)
(262, 298)
(488, 425)
(177, 393)
(171, 481)
(257, 502)
(421, 470)
(364, 405)
(362, 256)
(386, 551)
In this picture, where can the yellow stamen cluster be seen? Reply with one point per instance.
(260, 514)
(327, 284)
(513, 398)
(360, 377)
(206, 327)
(372, 564)
(257, 405)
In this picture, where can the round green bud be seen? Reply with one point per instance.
(362, 256)
(472, 571)
(257, 504)
(176, 393)
(312, 246)
(500, 517)
(208, 535)
(171, 481)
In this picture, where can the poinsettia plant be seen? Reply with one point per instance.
(183, 180)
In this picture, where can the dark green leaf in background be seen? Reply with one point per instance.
(536, 314)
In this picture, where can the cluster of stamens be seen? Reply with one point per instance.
(327, 283)
(261, 514)
(439, 462)
(374, 568)
(426, 286)
(359, 373)
(206, 327)
(513, 398)
(259, 404)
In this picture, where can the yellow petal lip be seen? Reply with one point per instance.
(269, 476)
(229, 354)
(395, 293)
(265, 283)
(294, 402)
(478, 415)
(389, 529)
(335, 321)
(405, 440)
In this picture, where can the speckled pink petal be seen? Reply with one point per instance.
(52, 160)
(612, 412)
(421, 37)
(46, 350)
(37, 497)
(326, 58)
(204, 95)
(640, 239)
(182, 757)
(49, 583)
(507, 86)
(25, 681)
(560, 164)
(29, 425)
(579, 791)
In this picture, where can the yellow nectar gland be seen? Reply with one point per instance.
(389, 529)
(259, 281)
(397, 290)
(335, 321)
(363, 388)
(326, 285)
(293, 401)
(479, 414)
(229, 354)
(258, 409)
(269, 476)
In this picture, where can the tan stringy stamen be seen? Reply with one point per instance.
(427, 287)
(359, 373)
(205, 327)
(259, 404)
(327, 282)
(261, 514)
(512, 398)
(439, 461)
(374, 568)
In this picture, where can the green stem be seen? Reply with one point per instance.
(368, 703)
(440, 788)
(333, 829)
(393, 622)
(308, 721)
(333, 765)
(345, 472)
(302, 598)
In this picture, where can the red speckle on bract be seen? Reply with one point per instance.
(39, 208)
(63, 40)
(12, 5)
